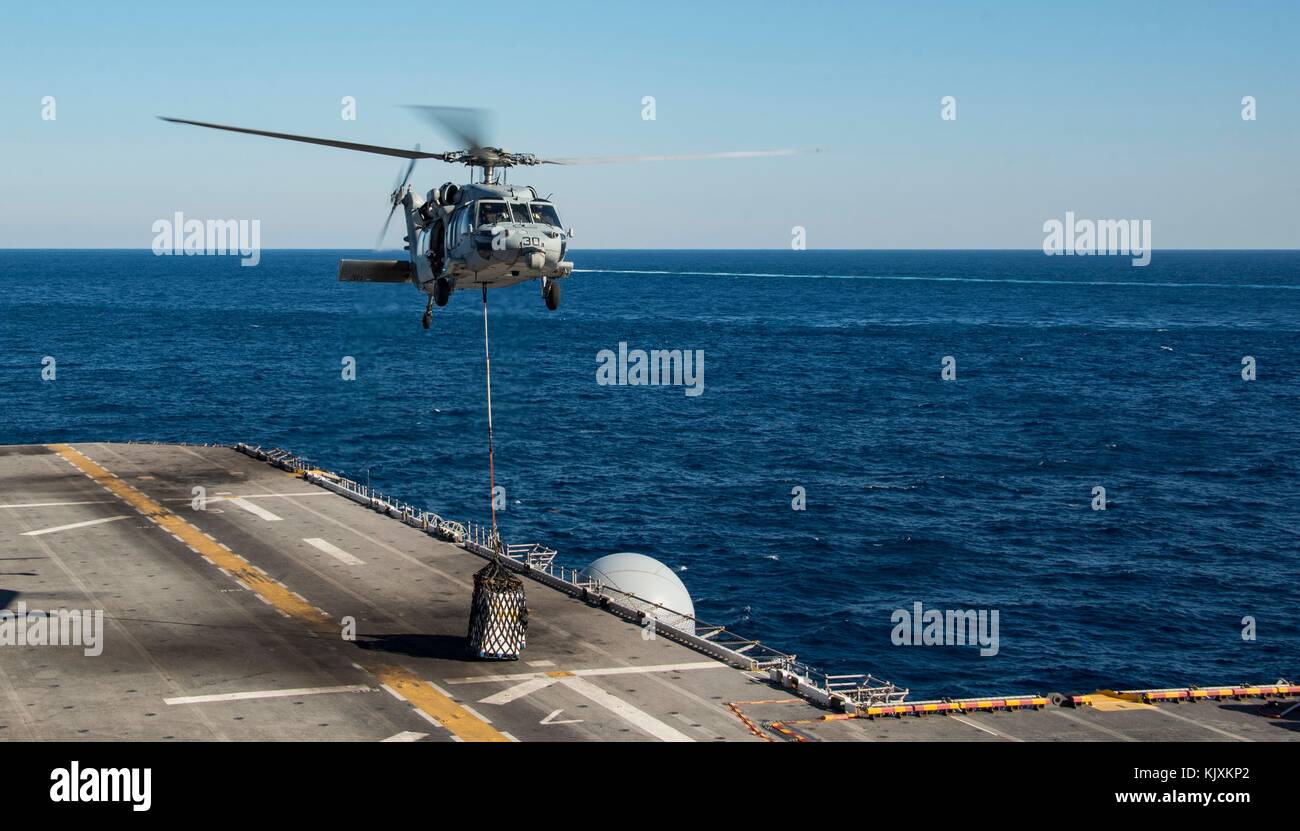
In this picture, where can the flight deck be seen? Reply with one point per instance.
(246, 602)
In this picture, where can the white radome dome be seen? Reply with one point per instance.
(650, 580)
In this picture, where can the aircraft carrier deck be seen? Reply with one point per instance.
(228, 623)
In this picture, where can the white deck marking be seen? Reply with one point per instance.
(518, 691)
(525, 676)
(85, 524)
(223, 496)
(405, 736)
(1100, 728)
(637, 718)
(334, 551)
(540, 663)
(284, 495)
(988, 730)
(551, 719)
(255, 510)
(205, 699)
(1205, 726)
(422, 714)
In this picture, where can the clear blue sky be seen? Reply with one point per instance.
(1112, 110)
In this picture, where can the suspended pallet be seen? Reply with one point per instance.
(498, 614)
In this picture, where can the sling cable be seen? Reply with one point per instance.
(498, 614)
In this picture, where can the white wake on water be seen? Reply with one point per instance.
(1016, 280)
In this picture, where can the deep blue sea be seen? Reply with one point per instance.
(822, 371)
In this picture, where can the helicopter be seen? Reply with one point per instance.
(483, 234)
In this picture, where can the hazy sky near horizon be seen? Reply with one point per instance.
(1112, 110)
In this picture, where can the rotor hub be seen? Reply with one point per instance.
(491, 157)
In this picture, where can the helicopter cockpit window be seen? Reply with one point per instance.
(490, 213)
(545, 212)
(520, 212)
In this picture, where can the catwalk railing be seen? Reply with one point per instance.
(848, 693)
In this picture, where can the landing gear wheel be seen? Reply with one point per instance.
(426, 320)
(551, 294)
(441, 291)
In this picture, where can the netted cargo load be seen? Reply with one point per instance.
(498, 614)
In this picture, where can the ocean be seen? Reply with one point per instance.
(822, 378)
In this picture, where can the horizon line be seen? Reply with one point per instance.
(616, 248)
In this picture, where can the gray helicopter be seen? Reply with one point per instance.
(480, 235)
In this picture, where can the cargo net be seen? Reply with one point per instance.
(498, 614)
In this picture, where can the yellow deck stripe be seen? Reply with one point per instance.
(247, 574)
(1115, 704)
(448, 713)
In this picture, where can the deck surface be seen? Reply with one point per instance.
(228, 623)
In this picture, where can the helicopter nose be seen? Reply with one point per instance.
(513, 246)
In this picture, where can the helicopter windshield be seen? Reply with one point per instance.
(520, 212)
(544, 212)
(490, 213)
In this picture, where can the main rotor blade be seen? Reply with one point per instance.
(346, 145)
(468, 124)
(731, 154)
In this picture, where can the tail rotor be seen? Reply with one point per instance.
(398, 193)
